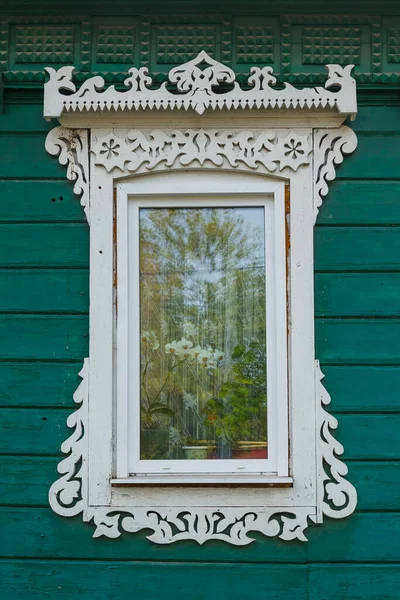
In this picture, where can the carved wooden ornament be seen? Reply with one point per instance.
(287, 135)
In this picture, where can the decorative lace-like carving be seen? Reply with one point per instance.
(66, 495)
(71, 147)
(197, 83)
(232, 525)
(330, 145)
(246, 148)
(338, 496)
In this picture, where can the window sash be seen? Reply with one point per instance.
(129, 202)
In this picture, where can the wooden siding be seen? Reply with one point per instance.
(44, 337)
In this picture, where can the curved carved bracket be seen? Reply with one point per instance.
(197, 83)
(329, 147)
(72, 148)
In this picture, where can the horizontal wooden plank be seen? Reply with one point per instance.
(42, 430)
(204, 581)
(24, 156)
(39, 200)
(366, 436)
(26, 480)
(58, 245)
(49, 337)
(44, 290)
(23, 118)
(39, 533)
(357, 294)
(376, 157)
(360, 582)
(358, 341)
(150, 581)
(377, 483)
(38, 384)
(33, 431)
(361, 202)
(383, 119)
(357, 248)
(363, 388)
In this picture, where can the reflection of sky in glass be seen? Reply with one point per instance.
(253, 223)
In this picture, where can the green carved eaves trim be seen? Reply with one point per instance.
(295, 46)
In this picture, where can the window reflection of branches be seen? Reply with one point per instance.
(202, 283)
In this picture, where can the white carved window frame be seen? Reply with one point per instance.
(110, 137)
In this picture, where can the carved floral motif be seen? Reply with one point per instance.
(252, 149)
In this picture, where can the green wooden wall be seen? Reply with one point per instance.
(44, 337)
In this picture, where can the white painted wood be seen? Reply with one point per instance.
(233, 191)
(92, 479)
(196, 91)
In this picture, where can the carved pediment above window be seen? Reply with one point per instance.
(200, 84)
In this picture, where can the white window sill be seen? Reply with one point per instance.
(198, 479)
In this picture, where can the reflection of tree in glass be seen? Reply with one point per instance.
(202, 277)
(239, 412)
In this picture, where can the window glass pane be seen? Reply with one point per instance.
(203, 333)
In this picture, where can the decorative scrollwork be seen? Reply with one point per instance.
(202, 525)
(196, 84)
(66, 495)
(339, 497)
(71, 147)
(329, 147)
(245, 148)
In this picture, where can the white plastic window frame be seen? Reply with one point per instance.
(291, 137)
(212, 189)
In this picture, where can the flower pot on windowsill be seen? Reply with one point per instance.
(250, 450)
(195, 452)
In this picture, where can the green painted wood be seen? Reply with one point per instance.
(357, 295)
(41, 431)
(357, 248)
(379, 152)
(363, 388)
(33, 430)
(382, 119)
(361, 202)
(47, 337)
(361, 582)
(22, 118)
(39, 200)
(50, 244)
(27, 149)
(198, 581)
(39, 533)
(44, 290)
(358, 341)
(366, 436)
(377, 483)
(38, 384)
(150, 581)
(25, 480)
